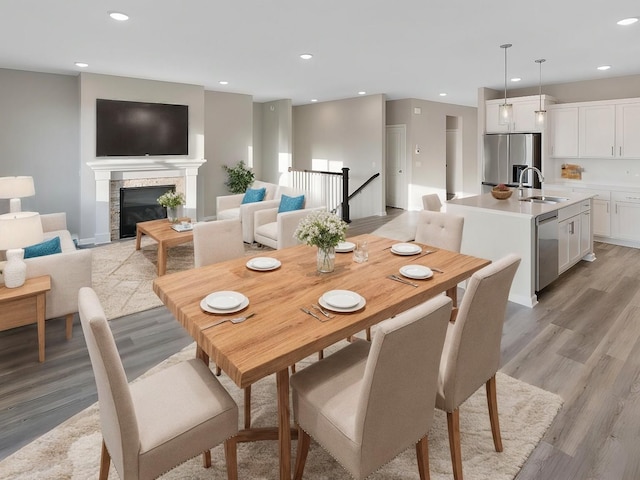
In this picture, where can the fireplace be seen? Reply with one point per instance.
(140, 204)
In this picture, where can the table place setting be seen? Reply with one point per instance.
(406, 249)
(263, 264)
(224, 301)
(342, 301)
(345, 247)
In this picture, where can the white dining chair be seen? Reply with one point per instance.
(471, 355)
(368, 402)
(431, 201)
(217, 241)
(160, 421)
(440, 229)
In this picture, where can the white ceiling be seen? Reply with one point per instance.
(402, 48)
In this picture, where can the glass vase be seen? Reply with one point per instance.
(173, 215)
(326, 259)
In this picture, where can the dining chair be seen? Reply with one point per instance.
(160, 421)
(471, 354)
(440, 229)
(368, 402)
(217, 241)
(432, 202)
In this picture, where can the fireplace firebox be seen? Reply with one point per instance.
(140, 204)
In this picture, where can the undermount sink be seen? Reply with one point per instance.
(544, 199)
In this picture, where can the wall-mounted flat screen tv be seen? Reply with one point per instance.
(135, 129)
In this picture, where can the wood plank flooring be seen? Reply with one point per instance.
(582, 341)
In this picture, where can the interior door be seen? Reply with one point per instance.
(396, 162)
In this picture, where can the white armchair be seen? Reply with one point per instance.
(275, 229)
(69, 270)
(230, 207)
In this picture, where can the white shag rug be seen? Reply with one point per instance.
(72, 450)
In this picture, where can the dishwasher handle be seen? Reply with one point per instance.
(547, 217)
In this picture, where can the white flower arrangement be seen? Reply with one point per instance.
(171, 199)
(322, 229)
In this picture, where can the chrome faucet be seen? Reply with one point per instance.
(540, 177)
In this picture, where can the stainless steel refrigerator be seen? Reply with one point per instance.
(506, 155)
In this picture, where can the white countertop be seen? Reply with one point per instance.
(513, 205)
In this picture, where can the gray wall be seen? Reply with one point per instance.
(40, 137)
(228, 140)
(276, 134)
(352, 133)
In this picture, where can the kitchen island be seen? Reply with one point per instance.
(494, 228)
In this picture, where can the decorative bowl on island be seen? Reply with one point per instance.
(501, 192)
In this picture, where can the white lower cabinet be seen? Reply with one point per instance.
(569, 236)
(586, 234)
(625, 223)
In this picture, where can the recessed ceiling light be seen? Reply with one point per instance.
(443, 94)
(121, 17)
(223, 82)
(306, 56)
(628, 21)
(604, 67)
(516, 79)
(362, 92)
(81, 64)
(314, 100)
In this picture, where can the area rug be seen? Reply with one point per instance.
(72, 450)
(123, 276)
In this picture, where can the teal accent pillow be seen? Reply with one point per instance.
(254, 195)
(288, 204)
(48, 247)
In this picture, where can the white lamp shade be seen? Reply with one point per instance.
(20, 229)
(16, 187)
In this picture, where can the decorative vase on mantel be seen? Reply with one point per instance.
(326, 259)
(173, 214)
(15, 270)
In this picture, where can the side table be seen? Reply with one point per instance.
(25, 305)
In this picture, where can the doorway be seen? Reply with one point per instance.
(395, 166)
(454, 156)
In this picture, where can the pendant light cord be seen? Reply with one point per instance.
(505, 46)
(539, 62)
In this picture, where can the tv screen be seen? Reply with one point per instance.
(138, 129)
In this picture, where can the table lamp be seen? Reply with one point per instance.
(14, 188)
(18, 230)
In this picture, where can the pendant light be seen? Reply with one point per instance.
(540, 113)
(505, 111)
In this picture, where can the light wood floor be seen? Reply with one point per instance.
(582, 341)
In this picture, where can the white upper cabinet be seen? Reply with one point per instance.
(604, 129)
(564, 132)
(597, 131)
(524, 109)
(628, 130)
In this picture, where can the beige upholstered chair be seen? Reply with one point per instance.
(369, 402)
(276, 230)
(157, 423)
(440, 229)
(431, 202)
(217, 241)
(471, 354)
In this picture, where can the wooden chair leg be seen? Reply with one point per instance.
(230, 453)
(368, 331)
(105, 461)
(492, 400)
(69, 319)
(218, 371)
(422, 454)
(453, 424)
(293, 368)
(206, 459)
(320, 354)
(247, 407)
(304, 440)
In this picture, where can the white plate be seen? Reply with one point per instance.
(417, 272)
(344, 247)
(406, 249)
(204, 306)
(263, 263)
(341, 298)
(224, 300)
(355, 308)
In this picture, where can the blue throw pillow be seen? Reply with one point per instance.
(288, 204)
(48, 247)
(254, 195)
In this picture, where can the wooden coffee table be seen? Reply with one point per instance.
(25, 305)
(161, 232)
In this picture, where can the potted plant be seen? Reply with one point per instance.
(325, 230)
(171, 201)
(239, 177)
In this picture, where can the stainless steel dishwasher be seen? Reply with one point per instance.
(546, 249)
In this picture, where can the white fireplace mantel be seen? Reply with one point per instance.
(109, 169)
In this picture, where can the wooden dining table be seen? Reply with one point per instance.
(279, 334)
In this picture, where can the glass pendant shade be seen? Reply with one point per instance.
(505, 111)
(540, 118)
(540, 114)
